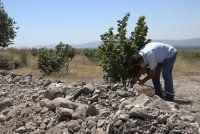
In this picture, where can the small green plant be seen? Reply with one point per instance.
(116, 50)
(50, 61)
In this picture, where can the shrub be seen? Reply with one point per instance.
(50, 61)
(116, 50)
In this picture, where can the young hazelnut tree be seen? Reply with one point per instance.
(116, 50)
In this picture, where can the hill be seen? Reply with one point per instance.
(185, 43)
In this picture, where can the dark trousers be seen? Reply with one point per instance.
(166, 69)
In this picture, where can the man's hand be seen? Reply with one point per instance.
(134, 80)
(141, 82)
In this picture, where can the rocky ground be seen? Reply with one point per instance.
(30, 105)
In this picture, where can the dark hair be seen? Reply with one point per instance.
(135, 59)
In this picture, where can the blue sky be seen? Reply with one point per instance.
(44, 22)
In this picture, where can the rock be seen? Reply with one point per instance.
(105, 113)
(68, 97)
(73, 126)
(45, 103)
(124, 117)
(141, 101)
(3, 94)
(80, 112)
(161, 119)
(123, 104)
(122, 93)
(34, 105)
(187, 118)
(2, 118)
(153, 129)
(118, 123)
(64, 114)
(53, 91)
(112, 95)
(100, 131)
(88, 89)
(94, 98)
(5, 103)
(21, 130)
(92, 111)
(91, 124)
(100, 123)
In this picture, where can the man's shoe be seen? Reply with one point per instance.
(169, 99)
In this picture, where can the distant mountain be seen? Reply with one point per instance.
(195, 42)
(185, 43)
(94, 44)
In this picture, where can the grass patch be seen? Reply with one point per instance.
(82, 68)
(187, 64)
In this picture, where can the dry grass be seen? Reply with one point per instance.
(187, 69)
(81, 69)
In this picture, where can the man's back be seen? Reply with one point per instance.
(154, 53)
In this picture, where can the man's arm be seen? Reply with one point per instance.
(136, 78)
(150, 74)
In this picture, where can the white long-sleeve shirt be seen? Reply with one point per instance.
(155, 52)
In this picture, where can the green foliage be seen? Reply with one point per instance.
(34, 51)
(90, 53)
(7, 32)
(50, 61)
(116, 50)
(65, 50)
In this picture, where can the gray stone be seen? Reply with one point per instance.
(21, 130)
(118, 123)
(123, 104)
(88, 89)
(3, 94)
(141, 101)
(187, 118)
(122, 93)
(94, 98)
(100, 123)
(92, 111)
(45, 103)
(112, 95)
(53, 91)
(73, 126)
(64, 113)
(91, 124)
(80, 112)
(105, 113)
(153, 129)
(124, 117)
(161, 119)
(2, 118)
(6, 103)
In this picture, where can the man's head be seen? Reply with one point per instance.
(137, 60)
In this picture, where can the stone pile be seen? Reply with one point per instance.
(37, 106)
